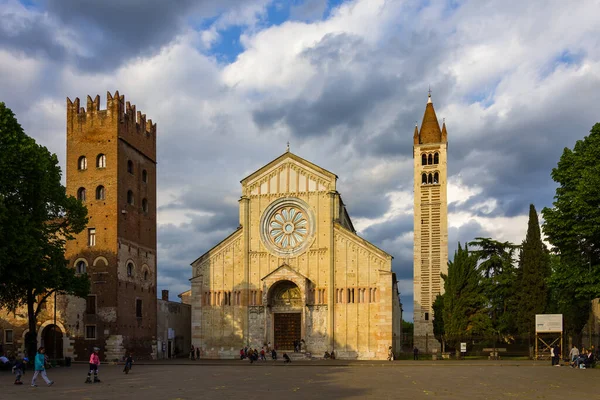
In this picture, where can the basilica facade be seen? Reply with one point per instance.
(295, 270)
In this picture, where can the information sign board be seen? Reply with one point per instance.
(548, 323)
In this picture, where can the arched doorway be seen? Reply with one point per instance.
(52, 340)
(285, 302)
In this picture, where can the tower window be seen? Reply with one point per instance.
(436, 178)
(145, 176)
(430, 179)
(424, 159)
(81, 267)
(91, 237)
(129, 269)
(436, 158)
(82, 163)
(145, 205)
(430, 159)
(130, 166)
(138, 308)
(101, 161)
(100, 193)
(423, 179)
(145, 275)
(90, 304)
(81, 194)
(426, 316)
(130, 199)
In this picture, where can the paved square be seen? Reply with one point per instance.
(315, 380)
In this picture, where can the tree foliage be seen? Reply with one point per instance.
(438, 318)
(572, 224)
(36, 220)
(499, 281)
(464, 307)
(534, 272)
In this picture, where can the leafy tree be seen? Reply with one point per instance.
(572, 225)
(438, 319)
(534, 271)
(464, 309)
(499, 281)
(562, 300)
(36, 219)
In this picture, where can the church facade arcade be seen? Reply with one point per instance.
(295, 269)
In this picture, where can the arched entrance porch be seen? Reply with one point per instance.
(52, 340)
(285, 318)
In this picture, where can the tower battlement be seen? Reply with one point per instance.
(131, 125)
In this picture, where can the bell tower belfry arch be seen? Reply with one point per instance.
(430, 253)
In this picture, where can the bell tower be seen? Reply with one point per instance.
(430, 224)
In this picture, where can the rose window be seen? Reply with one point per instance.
(288, 227)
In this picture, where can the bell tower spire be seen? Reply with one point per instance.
(430, 257)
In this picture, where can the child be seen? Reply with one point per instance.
(40, 360)
(94, 363)
(19, 369)
(128, 363)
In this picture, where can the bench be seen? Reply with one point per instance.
(494, 352)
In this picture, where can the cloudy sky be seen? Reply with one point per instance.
(229, 82)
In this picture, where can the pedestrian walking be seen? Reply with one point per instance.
(197, 353)
(40, 368)
(128, 363)
(415, 353)
(19, 369)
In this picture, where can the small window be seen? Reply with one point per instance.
(130, 199)
(145, 275)
(81, 194)
(436, 158)
(145, 176)
(130, 166)
(426, 316)
(90, 305)
(130, 269)
(90, 331)
(430, 179)
(424, 179)
(145, 205)
(81, 267)
(436, 178)
(138, 308)
(91, 237)
(82, 163)
(424, 159)
(100, 193)
(430, 159)
(8, 336)
(101, 161)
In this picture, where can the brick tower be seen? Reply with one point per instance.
(111, 166)
(430, 224)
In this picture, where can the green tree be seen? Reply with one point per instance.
(563, 300)
(36, 220)
(465, 313)
(572, 224)
(499, 281)
(438, 320)
(534, 272)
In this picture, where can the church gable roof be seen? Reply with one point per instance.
(290, 158)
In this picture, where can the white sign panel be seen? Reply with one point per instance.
(463, 347)
(171, 334)
(548, 323)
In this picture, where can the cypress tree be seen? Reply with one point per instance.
(534, 271)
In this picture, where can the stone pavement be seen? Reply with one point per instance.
(184, 379)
